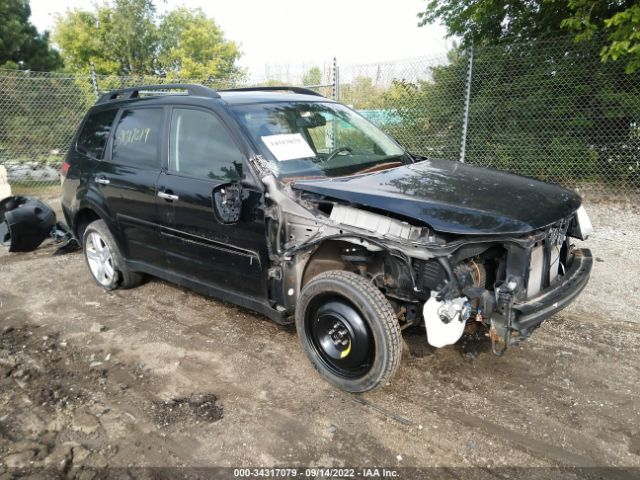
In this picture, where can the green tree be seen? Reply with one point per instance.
(618, 22)
(312, 77)
(614, 25)
(490, 21)
(117, 39)
(21, 46)
(429, 112)
(541, 103)
(361, 93)
(193, 45)
(127, 37)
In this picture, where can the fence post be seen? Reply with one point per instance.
(336, 80)
(94, 81)
(467, 102)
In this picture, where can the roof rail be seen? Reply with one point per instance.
(134, 92)
(302, 90)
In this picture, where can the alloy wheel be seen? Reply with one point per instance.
(100, 259)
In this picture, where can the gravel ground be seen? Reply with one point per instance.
(613, 291)
(160, 376)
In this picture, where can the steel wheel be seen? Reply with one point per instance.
(100, 259)
(348, 330)
(340, 336)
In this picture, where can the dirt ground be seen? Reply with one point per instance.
(159, 376)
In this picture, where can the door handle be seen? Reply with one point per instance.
(168, 196)
(102, 180)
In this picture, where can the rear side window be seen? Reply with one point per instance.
(95, 132)
(202, 147)
(136, 139)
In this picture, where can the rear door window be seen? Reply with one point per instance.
(136, 139)
(95, 132)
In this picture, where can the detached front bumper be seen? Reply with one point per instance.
(527, 316)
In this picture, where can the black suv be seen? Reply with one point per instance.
(295, 206)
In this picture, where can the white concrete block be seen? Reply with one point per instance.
(5, 188)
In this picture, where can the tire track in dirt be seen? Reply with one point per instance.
(543, 450)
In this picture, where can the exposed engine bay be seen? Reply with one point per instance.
(507, 284)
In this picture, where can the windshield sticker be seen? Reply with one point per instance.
(288, 146)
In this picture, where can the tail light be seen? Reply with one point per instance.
(63, 172)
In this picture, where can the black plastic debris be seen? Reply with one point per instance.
(62, 234)
(25, 222)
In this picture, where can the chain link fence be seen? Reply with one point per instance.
(39, 114)
(549, 110)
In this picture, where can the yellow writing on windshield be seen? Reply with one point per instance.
(132, 135)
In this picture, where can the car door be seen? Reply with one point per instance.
(204, 164)
(88, 154)
(127, 182)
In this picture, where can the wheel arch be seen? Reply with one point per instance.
(82, 219)
(333, 254)
(88, 212)
(327, 256)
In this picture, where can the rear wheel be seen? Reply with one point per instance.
(104, 259)
(348, 330)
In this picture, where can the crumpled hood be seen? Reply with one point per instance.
(453, 197)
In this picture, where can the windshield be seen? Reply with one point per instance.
(301, 139)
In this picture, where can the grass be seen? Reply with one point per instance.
(36, 189)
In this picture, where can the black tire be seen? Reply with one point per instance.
(122, 276)
(327, 313)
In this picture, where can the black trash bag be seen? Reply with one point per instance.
(25, 222)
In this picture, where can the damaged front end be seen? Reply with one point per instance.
(507, 283)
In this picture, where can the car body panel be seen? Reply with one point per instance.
(453, 197)
(130, 197)
(198, 246)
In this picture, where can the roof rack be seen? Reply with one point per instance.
(302, 90)
(134, 92)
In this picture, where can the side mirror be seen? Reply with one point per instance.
(227, 202)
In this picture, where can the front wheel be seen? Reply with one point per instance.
(348, 330)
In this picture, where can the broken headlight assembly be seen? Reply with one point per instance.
(582, 226)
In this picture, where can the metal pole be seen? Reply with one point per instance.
(331, 134)
(467, 102)
(336, 80)
(94, 81)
